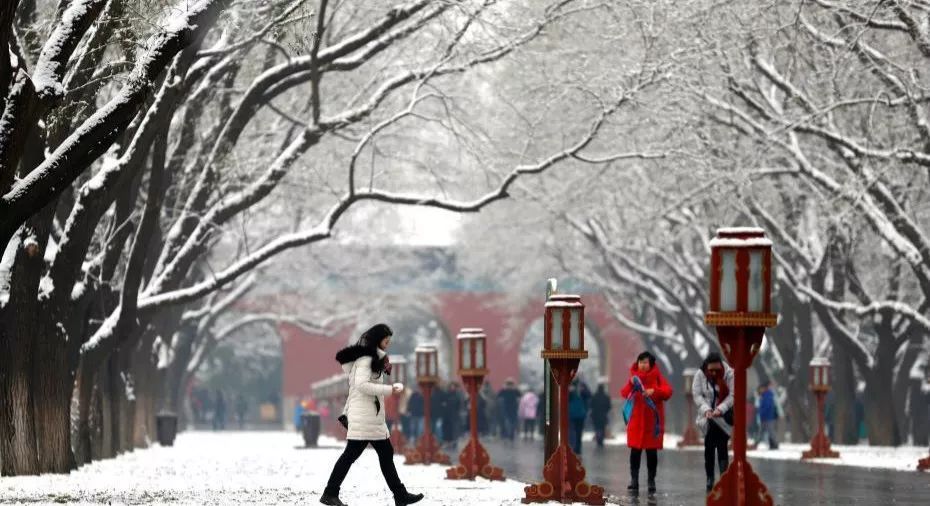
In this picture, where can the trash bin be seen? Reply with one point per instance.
(166, 427)
(310, 422)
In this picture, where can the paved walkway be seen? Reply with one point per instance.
(681, 477)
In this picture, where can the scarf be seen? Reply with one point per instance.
(638, 387)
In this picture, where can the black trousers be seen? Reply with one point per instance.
(715, 442)
(652, 462)
(353, 451)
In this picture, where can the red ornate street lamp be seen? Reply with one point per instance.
(740, 309)
(427, 449)
(564, 349)
(690, 436)
(474, 460)
(398, 375)
(820, 385)
(924, 463)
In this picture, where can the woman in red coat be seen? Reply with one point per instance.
(646, 427)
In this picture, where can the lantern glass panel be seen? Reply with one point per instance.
(755, 282)
(728, 280)
(556, 329)
(466, 353)
(479, 353)
(434, 364)
(575, 342)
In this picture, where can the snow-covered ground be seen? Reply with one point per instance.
(245, 468)
(901, 458)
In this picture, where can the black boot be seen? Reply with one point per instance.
(407, 498)
(652, 484)
(331, 500)
(634, 484)
(710, 483)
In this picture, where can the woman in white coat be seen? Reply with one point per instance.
(366, 363)
(713, 395)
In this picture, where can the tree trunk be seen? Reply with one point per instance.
(127, 396)
(18, 329)
(84, 387)
(17, 428)
(845, 430)
(920, 413)
(879, 408)
(53, 385)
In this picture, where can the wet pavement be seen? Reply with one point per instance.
(681, 477)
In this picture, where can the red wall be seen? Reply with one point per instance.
(309, 358)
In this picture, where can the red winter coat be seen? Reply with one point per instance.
(639, 432)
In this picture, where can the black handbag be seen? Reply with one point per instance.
(344, 420)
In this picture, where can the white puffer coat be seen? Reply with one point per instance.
(703, 391)
(366, 420)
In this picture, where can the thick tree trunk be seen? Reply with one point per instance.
(845, 430)
(879, 408)
(17, 428)
(53, 385)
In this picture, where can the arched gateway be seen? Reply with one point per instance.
(514, 339)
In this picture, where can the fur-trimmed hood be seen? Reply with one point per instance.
(354, 352)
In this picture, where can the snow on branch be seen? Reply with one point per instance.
(324, 229)
(876, 307)
(101, 129)
(52, 63)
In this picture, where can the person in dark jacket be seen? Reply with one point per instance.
(451, 414)
(366, 364)
(219, 411)
(578, 406)
(508, 404)
(415, 413)
(600, 410)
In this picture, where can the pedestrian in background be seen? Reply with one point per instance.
(415, 407)
(508, 404)
(768, 415)
(648, 390)
(219, 411)
(600, 411)
(578, 406)
(529, 403)
(488, 404)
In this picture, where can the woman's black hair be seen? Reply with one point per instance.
(712, 358)
(645, 355)
(372, 337)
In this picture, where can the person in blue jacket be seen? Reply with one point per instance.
(768, 415)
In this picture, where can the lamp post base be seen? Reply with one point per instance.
(923, 464)
(564, 481)
(739, 486)
(820, 448)
(426, 452)
(398, 441)
(690, 437)
(474, 461)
